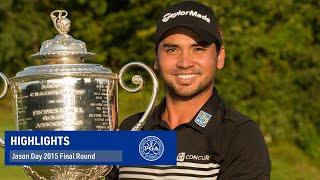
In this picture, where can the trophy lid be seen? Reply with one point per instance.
(63, 69)
(63, 45)
(63, 56)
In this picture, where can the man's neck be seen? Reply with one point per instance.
(180, 111)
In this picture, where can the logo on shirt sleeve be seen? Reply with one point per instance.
(203, 118)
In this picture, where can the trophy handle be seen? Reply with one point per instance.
(5, 90)
(136, 79)
(6, 84)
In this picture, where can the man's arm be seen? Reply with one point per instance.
(127, 124)
(246, 156)
(113, 174)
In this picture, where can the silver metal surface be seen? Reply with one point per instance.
(138, 80)
(6, 84)
(64, 94)
(60, 21)
(63, 70)
(4, 92)
(63, 45)
(2, 143)
(67, 94)
(69, 172)
(67, 103)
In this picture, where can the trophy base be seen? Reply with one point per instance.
(67, 172)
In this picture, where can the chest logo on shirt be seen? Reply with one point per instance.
(181, 157)
(202, 118)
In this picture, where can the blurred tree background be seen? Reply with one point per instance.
(272, 70)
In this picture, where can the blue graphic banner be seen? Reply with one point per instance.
(90, 148)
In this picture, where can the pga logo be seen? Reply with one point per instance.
(151, 148)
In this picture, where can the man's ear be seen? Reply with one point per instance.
(221, 58)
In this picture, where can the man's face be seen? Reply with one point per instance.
(187, 67)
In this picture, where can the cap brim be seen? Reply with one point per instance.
(205, 37)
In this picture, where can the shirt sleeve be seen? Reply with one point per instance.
(113, 174)
(246, 156)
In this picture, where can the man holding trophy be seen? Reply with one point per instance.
(213, 141)
(66, 94)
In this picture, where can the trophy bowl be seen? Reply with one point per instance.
(66, 94)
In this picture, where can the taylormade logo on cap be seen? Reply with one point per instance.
(168, 16)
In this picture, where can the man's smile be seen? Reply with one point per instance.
(186, 76)
(185, 79)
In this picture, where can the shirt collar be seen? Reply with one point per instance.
(199, 122)
(155, 118)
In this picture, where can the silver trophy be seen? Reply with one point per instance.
(67, 94)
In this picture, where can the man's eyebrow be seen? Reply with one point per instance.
(195, 44)
(200, 44)
(192, 45)
(169, 45)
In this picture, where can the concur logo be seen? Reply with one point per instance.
(151, 148)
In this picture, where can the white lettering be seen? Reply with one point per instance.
(168, 16)
(198, 157)
(20, 156)
(193, 13)
(36, 156)
(39, 141)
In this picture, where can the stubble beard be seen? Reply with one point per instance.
(183, 93)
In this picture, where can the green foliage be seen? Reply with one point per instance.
(287, 160)
(273, 49)
(272, 66)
